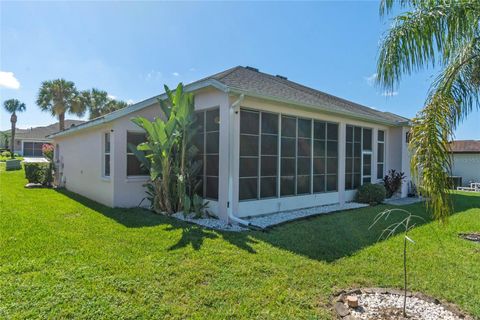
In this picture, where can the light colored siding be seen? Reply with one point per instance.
(80, 161)
(467, 166)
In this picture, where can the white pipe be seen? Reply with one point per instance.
(231, 113)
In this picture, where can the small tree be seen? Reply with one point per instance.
(13, 106)
(170, 155)
(404, 225)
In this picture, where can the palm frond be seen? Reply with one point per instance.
(426, 36)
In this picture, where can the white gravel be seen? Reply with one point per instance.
(280, 217)
(371, 306)
(268, 220)
(211, 223)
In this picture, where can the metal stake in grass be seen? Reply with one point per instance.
(405, 224)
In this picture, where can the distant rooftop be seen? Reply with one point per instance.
(465, 146)
(41, 133)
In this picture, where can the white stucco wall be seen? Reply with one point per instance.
(80, 162)
(467, 166)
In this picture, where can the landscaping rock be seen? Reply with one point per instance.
(352, 301)
(33, 185)
(341, 309)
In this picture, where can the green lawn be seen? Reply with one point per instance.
(63, 256)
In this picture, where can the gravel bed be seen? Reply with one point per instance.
(268, 220)
(212, 223)
(390, 306)
(403, 201)
(284, 216)
(387, 304)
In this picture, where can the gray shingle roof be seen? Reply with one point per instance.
(40, 133)
(252, 81)
(465, 146)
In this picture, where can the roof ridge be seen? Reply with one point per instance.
(313, 91)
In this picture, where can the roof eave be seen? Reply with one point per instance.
(351, 115)
(136, 107)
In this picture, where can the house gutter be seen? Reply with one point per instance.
(234, 107)
(318, 107)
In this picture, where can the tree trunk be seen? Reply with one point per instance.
(13, 120)
(61, 121)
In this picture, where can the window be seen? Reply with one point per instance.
(358, 156)
(288, 163)
(268, 155)
(134, 166)
(306, 151)
(325, 161)
(381, 154)
(32, 149)
(207, 142)
(249, 154)
(258, 155)
(106, 154)
(304, 158)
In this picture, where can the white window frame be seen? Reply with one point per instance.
(384, 153)
(104, 154)
(128, 153)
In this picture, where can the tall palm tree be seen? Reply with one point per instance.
(99, 103)
(13, 106)
(95, 101)
(430, 33)
(60, 97)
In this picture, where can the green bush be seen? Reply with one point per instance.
(371, 193)
(38, 173)
(6, 154)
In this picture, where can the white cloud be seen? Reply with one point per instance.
(390, 93)
(153, 75)
(110, 96)
(176, 74)
(371, 79)
(130, 101)
(8, 80)
(192, 69)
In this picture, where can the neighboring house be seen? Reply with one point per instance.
(268, 145)
(28, 142)
(466, 160)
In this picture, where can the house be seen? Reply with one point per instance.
(268, 145)
(28, 142)
(466, 160)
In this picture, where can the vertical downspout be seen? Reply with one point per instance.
(231, 114)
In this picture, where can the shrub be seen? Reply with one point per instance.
(47, 150)
(393, 181)
(38, 173)
(371, 193)
(6, 154)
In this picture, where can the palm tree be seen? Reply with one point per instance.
(99, 103)
(59, 97)
(95, 101)
(444, 33)
(13, 106)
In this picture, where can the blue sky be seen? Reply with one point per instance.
(131, 49)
